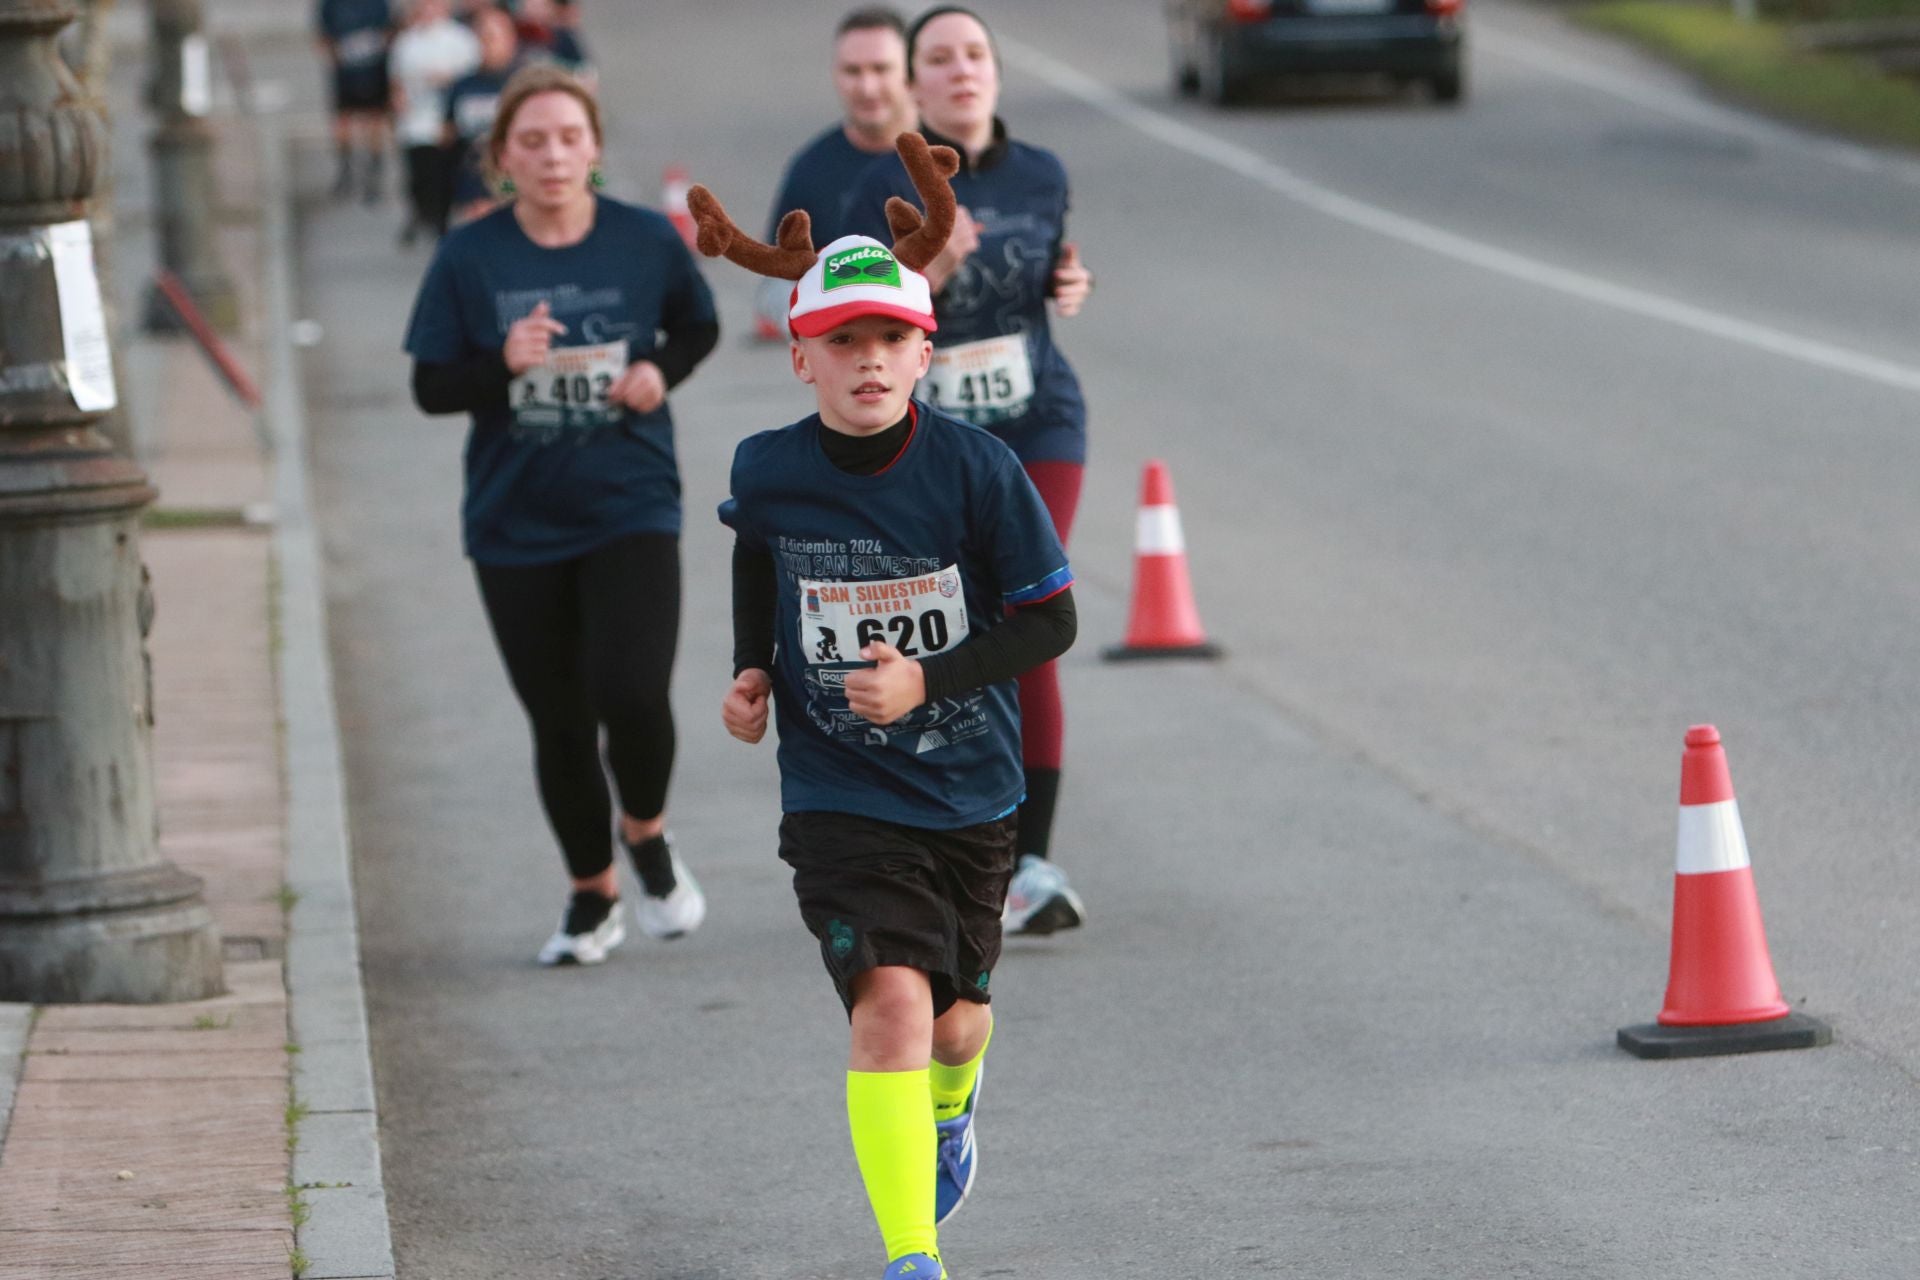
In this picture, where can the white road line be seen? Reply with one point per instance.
(1447, 244)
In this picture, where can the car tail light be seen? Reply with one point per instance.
(1258, 10)
(1445, 6)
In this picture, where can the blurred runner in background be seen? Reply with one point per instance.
(870, 75)
(427, 56)
(995, 362)
(354, 36)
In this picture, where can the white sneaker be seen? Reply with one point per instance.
(590, 927)
(677, 914)
(1040, 901)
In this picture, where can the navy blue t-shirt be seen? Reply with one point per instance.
(818, 179)
(556, 470)
(922, 555)
(1022, 390)
(358, 30)
(472, 102)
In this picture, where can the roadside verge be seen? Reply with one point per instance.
(1760, 64)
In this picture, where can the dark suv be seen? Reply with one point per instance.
(1221, 47)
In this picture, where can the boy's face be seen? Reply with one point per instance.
(863, 371)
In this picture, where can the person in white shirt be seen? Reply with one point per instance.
(432, 52)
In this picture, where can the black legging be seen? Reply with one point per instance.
(589, 642)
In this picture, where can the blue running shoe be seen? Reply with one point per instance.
(956, 1156)
(915, 1266)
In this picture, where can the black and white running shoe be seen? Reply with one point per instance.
(676, 913)
(670, 904)
(591, 927)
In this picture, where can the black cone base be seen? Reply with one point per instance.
(1129, 653)
(1795, 1031)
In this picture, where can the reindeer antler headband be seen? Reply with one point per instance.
(917, 239)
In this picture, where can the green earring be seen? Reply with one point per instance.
(596, 179)
(506, 186)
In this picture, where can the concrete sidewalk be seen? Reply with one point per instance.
(197, 1140)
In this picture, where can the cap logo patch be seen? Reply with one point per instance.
(863, 264)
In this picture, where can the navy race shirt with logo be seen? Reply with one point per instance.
(557, 470)
(472, 102)
(995, 362)
(358, 29)
(817, 180)
(922, 555)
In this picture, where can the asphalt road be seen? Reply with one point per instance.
(1509, 441)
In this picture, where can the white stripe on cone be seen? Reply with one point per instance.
(1711, 839)
(1157, 532)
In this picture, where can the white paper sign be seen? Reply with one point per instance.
(83, 322)
(196, 75)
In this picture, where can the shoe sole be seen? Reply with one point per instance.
(1056, 913)
(573, 959)
(669, 935)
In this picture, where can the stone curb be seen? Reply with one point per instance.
(15, 1021)
(338, 1157)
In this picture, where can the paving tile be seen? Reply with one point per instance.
(148, 1040)
(93, 1252)
(91, 1196)
(231, 1064)
(169, 1269)
(103, 1018)
(150, 1114)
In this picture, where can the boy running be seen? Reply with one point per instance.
(894, 571)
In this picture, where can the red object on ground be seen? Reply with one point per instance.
(1720, 972)
(1163, 621)
(182, 302)
(674, 185)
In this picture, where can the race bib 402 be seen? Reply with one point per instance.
(570, 391)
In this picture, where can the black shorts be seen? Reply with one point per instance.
(361, 89)
(879, 893)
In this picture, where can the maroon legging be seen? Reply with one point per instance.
(1043, 723)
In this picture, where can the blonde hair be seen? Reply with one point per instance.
(530, 81)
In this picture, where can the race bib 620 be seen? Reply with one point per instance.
(918, 616)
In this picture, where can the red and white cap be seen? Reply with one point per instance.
(858, 276)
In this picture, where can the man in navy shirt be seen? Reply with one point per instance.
(870, 75)
(354, 35)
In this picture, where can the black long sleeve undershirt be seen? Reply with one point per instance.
(1026, 638)
(480, 381)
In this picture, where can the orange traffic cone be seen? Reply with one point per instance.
(1163, 623)
(674, 186)
(1722, 996)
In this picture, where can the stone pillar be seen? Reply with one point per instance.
(185, 210)
(88, 909)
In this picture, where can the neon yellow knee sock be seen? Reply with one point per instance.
(893, 1140)
(952, 1086)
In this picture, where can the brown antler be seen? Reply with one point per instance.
(916, 240)
(719, 236)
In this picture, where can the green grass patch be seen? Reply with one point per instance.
(1758, 64)
(194, 518)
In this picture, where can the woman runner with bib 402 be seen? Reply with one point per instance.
(994, 361)
(559, 322)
